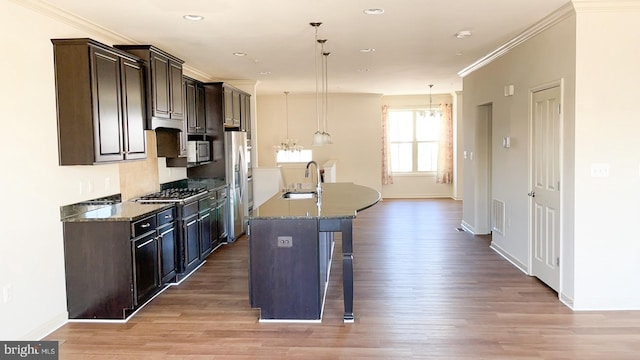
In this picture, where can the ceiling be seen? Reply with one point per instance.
(414, 40)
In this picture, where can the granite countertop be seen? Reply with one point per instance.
(124, 211)
(338, 200)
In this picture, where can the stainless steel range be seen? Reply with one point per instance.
(175, 195)
(194, 240)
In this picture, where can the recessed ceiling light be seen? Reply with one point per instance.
(239, 54)
(374, 11)
(367, 50)
(463, 34)
(265, 72)
(193, 17)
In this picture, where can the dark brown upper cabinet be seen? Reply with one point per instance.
(100, 103)
(230, 107)
(195, 106)
(165, 91)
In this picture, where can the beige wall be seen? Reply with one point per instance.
(607, 251)
(31, 245)
(593, 56)
(545, 58)
(354, 124)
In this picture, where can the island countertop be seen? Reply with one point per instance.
(338, 201)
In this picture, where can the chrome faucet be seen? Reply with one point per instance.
(306, 174)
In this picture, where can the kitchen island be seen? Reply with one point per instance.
(290, 249)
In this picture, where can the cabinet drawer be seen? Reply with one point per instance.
(221, 194)
(189, 209)
(143, 226)
(203, 204)
(166, 216)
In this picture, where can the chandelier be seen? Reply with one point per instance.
(288, 144)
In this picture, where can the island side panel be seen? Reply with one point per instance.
(98, 269)
(284, 265)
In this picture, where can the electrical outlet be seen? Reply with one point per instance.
(285, 241)
(107, 183)
(7, 293)
(600, 170)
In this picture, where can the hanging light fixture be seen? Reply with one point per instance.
(317, 136)
(430, 105)
(288, 144)
(326, 137)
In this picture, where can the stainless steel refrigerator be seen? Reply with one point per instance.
(235, 143)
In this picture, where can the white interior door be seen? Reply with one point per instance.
(546, 186)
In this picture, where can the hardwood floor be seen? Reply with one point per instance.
(423, 290)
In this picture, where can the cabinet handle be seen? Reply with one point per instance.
(168, 216)
(144, 226)
(145, 243)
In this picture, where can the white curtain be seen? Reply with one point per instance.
(444, 174)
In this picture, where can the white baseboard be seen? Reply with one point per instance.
(416, 196)
(466, 227)
(567, 300)
(502, 252)
(47, 327)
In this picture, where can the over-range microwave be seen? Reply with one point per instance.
(198, 151)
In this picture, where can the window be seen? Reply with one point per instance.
(294, 156)
(413, 140)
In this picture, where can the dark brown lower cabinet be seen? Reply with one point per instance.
(146, 260)
(114, 267)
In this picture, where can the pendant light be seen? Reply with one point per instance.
(326, 137)
(430, 108)
(317, 136)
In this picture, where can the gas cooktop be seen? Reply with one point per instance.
(173, 195)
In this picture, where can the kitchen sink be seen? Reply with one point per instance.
(294, 195)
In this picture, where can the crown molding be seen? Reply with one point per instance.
(73, 20)
(89, 27)
(195, 73)
(582, 6)
(555, 17)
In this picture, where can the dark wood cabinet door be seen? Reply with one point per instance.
(222, 221)
(246, 116)
(205, 234)
(236, 108)
(213, 228)
(190, 105)
(228, 106)
(176, 91)
(200, 108)
(107, 119)
(160, 86)
(243, 111)
(192, 240)
(146, 266)
(167, 246)
(214, 112)
(133, 110)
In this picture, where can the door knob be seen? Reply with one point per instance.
(532, 194)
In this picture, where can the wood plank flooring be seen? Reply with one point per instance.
(422, 291)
